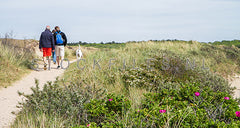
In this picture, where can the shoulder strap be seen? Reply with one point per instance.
(58, 32)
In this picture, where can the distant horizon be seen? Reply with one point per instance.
(133, 40)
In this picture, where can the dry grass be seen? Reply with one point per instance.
(14, 60)
(39, 120)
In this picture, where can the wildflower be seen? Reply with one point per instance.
(138, 111)
(162, 111)
(110, 99)
(197, 94)
(226, 98)
(88, 125)
(238, 113)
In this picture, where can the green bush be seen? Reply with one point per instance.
(170, 70)
(117, 103)
(64, 101)
(182, 108)
(209, 106)
(105, 110)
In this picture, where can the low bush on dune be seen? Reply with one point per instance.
(171, 70)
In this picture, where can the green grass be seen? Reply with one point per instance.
(100, 45)
(223, 60)
(227, 43)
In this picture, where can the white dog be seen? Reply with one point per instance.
(79, 53)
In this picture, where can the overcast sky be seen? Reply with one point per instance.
(123, 20)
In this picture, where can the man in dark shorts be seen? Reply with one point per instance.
(46, 45)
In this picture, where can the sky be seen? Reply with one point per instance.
(123, 20)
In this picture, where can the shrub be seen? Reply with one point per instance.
(207, 109)
(64, 101)
(106, 110)
(171, 70)
(182, 108)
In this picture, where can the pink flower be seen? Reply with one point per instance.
(162, 111)
(226, 98)
(138, 111)
(197, 94)
(110, 99)
(88, 125)
(238, 113)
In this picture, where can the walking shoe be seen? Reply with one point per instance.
(58, 67)
(45, 66)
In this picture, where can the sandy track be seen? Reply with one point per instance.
(236, 83)
(9, 97)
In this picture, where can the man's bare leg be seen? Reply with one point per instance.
(44, 60)
(49, 61)
(58, 62)
(61, 60)
(45, 64)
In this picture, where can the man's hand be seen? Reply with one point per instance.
(52, 50)
(40, 50)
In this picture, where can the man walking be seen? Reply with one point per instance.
(46, 45)
(60, 42)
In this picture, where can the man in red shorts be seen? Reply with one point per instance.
(46, 45)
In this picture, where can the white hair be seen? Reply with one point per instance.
(48, 27)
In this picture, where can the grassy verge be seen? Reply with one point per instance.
(14, 61)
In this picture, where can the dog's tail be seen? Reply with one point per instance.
(79, 46)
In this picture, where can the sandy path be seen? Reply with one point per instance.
(9, 97)
(236, 83)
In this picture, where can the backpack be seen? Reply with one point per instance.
(59, 39)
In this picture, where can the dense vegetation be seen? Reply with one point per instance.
(101, 45)
(227, 43)
(150, 84)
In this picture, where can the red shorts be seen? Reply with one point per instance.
(47, 52)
